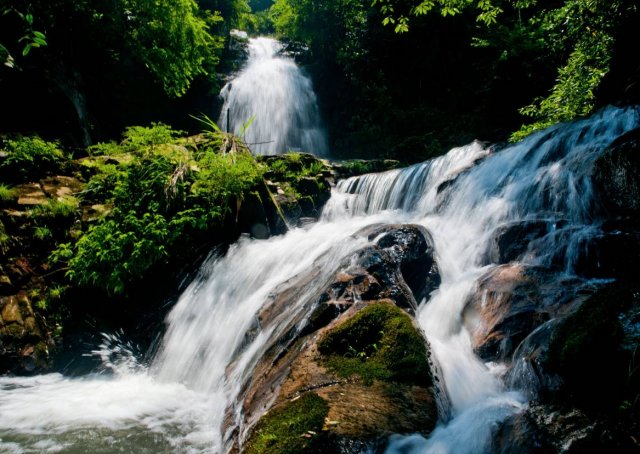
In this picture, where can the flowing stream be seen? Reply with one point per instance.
(279, 97)
(178, 402)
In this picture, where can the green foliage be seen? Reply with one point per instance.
(281, 430)
(226, 142)
(5, 239)
(105, 149)
(171, 39)
(378, 343)
(30, 39)
(55, 209)
(584, 28)
(164, 200)
(6, 193)
(115, 253)
(224, 178)
(42, 233)
(577, 36)
(138, 138)
(31, 157)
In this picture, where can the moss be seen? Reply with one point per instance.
(283, 429)
(379, 343)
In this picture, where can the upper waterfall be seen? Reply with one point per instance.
(274, 91)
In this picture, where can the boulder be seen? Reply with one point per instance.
(364, 305)
(510, 302)
(616, 175)
(368, 371)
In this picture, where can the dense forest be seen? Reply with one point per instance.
(337, 226)
(395, 78)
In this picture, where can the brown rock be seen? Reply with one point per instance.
(60, 186)
(30, 194)
(10, 310)
(510, 302)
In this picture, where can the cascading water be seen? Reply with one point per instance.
(276, 93)
(180, 401)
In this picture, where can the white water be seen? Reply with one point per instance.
(279, 96)
(178, 403)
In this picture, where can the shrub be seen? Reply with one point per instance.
(144, 137)
(105, 149)
(6, 193)
(31, 157)
(113, 254)
(164, 201)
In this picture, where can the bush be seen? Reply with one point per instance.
(6, 193)
(164, 201)
(115, 253)
(143, 137)
(31, 157)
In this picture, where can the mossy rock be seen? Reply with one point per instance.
(291, 428)
(379, 343)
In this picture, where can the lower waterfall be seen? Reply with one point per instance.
(179, 402)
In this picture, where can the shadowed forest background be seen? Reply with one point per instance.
(399, 79)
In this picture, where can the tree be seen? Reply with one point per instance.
(577, 35)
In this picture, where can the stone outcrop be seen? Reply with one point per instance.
(359, 350)
(510, 302)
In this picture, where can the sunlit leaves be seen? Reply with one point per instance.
(171, 39)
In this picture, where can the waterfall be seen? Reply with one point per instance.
(186, 399)
(277, 94)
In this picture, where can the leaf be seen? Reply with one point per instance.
(29, 18)
(26, 50)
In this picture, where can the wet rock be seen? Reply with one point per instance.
(555, 363)
(252, 217)
(6, 286)
(520, 434)
(299, 184)
(397, 396)
(30, 194)
(616, 175)
(509, 242)
(411, 246)
(510, 302)
(357, 167)
(610, 255)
